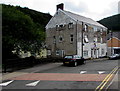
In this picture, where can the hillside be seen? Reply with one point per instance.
(22, 28)
(112, 22)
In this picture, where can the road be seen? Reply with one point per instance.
(56, 76)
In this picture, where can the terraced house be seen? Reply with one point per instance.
(72, 34)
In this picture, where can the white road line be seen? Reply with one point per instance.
(6, 83)
(33, 83)
(101, 72)
(82, 72)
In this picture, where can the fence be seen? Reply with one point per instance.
(20, 63)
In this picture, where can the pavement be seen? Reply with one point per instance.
(37, 68)
(34, 69)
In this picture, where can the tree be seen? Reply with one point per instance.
(19, 32)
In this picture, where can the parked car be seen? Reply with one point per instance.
(114, 56)
(73, 60)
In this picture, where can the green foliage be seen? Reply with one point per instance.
(22, 29)
(112, 23)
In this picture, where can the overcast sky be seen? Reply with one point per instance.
(95, 9)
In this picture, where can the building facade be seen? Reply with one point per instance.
(113, 43)
(71, 34)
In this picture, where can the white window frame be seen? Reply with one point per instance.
(85, 52)
(86, 27)
(57, 52)
(86, 39)
(48, 52)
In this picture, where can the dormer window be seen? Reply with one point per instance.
(70, 25)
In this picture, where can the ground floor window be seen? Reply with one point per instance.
(48, 52)
(102, 51)
(116, 51)
(85, 53)
(57, 52)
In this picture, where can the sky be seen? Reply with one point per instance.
(95, 9)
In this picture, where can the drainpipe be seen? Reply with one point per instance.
(76, 36)
(82, 39)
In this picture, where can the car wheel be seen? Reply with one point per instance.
(75, 64)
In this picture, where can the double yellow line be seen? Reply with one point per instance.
(107, 78)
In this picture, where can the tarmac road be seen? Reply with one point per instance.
(55, 76)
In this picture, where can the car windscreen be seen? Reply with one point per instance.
(69, 57)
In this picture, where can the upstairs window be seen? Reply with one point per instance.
(99, 39)
(57, 27)
(61, 27)
(71, 38)
(86, 27)
(86, 39)
(70, 25)
(60, 38)
(95, 39)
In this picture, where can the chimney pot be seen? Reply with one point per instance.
(60, 6)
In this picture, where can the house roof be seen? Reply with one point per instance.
(82, 19)
(78, 18)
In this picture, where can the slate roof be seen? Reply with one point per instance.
(82, 18)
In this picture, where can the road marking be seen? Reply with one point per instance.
(107, 78)
(82, 72)
(33, 83)
(6, 83)
(101, 72)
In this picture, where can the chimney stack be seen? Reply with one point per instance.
(60, 6)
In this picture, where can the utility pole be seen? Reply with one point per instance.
(111, 44)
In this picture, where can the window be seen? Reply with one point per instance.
(86, 27)
(57, 27)
(86, 39)
(54, 39)
(99, 39)
(61, 27)
(85, 53)
(57, 52)
(60, 38)
(71, 38)
(48, 52)
(95, 39)
(102, 51)
(70, 25)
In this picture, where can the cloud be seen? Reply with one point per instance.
(95, 9)
(81, 7)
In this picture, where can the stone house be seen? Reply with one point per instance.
(72, 34)
(113, 43)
